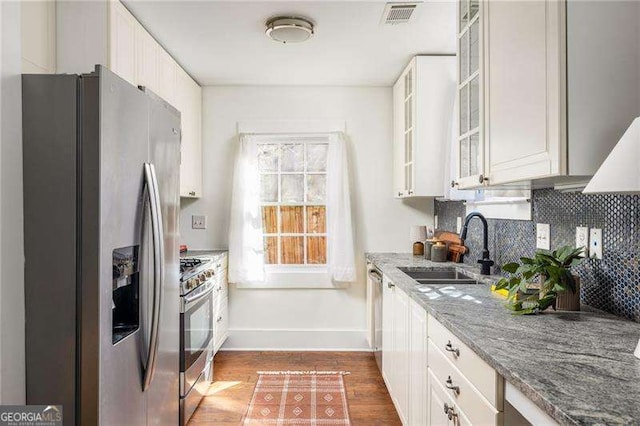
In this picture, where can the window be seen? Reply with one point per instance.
(293, 176)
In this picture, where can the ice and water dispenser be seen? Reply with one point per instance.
(126, 292)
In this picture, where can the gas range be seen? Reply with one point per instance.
(193, 273)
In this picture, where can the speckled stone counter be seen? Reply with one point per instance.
(576, 366)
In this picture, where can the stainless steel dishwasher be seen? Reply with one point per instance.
(375, 277)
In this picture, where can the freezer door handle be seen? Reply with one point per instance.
(153, 198)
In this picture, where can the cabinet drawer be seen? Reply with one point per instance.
(465, 395)
(441, 405)
(474, 368)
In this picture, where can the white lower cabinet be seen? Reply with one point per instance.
(434, 378)
(401, 351)
(221, 306)
(404, 356)
(418, 409)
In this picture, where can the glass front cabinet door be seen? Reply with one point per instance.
(470, 92)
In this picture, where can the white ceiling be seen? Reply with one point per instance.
(223, 42)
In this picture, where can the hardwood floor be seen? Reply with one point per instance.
(235, 377)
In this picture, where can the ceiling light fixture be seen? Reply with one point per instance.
(289, 29)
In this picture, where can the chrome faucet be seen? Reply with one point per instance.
(485, 262)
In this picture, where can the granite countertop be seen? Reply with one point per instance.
(576, 366)
(204, 253)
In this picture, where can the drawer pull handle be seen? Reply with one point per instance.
(449, 385)
(449, 348)
(450, 411)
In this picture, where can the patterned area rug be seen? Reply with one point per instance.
(299, 398)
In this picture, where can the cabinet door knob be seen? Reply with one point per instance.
(483, 179)
(454, 183)
(399, 194)
(449, 348)
(390, 284)
(192, 193)
(411, 192)
(449, 385)
(447, 407)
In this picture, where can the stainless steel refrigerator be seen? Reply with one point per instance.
(101, 204)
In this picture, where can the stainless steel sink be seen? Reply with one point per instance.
(438, 276)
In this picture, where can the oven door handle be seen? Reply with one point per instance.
(153, 198)
(201, 295)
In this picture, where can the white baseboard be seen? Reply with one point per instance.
(296, 340)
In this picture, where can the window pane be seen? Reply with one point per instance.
(474, 154)
(464, 13)
(291, 219)
(317, 250)
(464, 110)
(292, 158)
(464, 157)
(317, 157)
(270, 219)
(269, 190)
(464, 56)
(474, 48)
(474, 5)
(271, 250)
(292, 250)
(316, 188)
(316, 220)
(268, 158)
(292, 188)
(474, 104)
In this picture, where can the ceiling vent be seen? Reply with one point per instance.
(398, 13)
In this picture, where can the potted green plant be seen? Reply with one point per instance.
(537, 283)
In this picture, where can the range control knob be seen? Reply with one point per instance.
(208, 273)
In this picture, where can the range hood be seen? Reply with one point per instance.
(620, 172)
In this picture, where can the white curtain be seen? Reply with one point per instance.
(246, 247)
(341, 256)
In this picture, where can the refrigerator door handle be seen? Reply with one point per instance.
(151, 191)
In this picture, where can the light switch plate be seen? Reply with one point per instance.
(543, 236)
(198, 222)
(582, 238)
(595, 243)
(459, 224)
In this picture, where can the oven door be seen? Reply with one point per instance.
(196, 337)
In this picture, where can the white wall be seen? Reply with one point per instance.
(12, 363)
(328, 319)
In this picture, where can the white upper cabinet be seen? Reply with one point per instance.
(470, 140)
(147, 51)
(423, 98)
(38, 29)
(550, 100)
(105, 32)
(189, 101)
(167, 77)
(122, 39)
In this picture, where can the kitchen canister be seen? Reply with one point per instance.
(418, 235)
(439, 252)
(427, 248)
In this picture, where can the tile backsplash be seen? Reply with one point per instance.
(611, 284)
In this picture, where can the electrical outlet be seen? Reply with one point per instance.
(582, 238)
(459, 224)
(595, 244)
(198, 222)
(543, 236)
